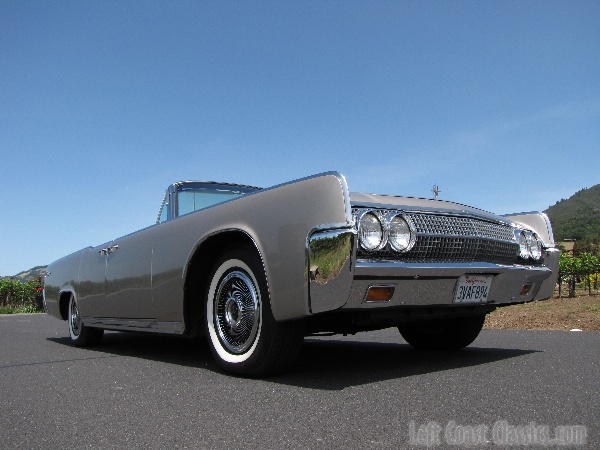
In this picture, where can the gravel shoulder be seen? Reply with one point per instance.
(582, 313)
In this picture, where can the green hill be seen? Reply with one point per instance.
(577, 217)
(31, 274)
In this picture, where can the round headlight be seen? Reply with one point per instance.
(535, 246)
(400, 236)
(524, 251)
(370, 232)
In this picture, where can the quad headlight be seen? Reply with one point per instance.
(370, 232)
(378, 229)
(523, 247)
(535, 245)
(400, 235)
(530, 245)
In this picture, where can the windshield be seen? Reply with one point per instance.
(193, 196)
(193, 199)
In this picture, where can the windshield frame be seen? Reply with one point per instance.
(170, 203)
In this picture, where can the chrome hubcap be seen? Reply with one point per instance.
(233, 314)
(74, 319)
(236, 312)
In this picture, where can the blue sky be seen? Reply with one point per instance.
(103, 104)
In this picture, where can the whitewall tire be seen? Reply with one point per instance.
(243, 335)
(80, 335)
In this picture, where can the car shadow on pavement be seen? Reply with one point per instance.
(187, 352)
(338, 364)
(332, 364)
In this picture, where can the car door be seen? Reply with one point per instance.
(129, 277)
(91, 294)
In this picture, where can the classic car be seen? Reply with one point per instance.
(256, 270)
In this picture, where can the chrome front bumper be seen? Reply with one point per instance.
(416, 285)
(419, 284)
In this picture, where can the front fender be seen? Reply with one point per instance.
(540, 223)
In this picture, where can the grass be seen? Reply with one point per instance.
(591, 308)
(19, 310)
(542, 307)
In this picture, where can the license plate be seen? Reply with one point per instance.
(473, 289)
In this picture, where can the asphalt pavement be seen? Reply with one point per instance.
(507, 390)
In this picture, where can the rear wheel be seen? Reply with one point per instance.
(81, 336)
(447, 334)
(242, 332)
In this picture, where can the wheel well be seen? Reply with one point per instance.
(198, 272)
(63, 304)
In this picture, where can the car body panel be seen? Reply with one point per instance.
(91, 291)
(129, 276)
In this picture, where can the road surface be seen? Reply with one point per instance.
(366, 391)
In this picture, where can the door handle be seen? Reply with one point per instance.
(109, 250)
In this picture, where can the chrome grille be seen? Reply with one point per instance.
(461, 226)
(446, 238)
(459, 249)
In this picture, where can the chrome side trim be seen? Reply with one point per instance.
(346, 193)
(142, 325)
(550, 231)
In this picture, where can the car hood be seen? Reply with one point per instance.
(358, 200)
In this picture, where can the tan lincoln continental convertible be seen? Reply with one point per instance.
(255, 270)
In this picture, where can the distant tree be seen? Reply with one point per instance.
(17, 294)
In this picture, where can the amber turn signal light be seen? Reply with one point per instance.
(525, 289)
(380, 293)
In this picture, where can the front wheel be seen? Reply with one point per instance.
(81, 336)
(443, 334)
(243, 334)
